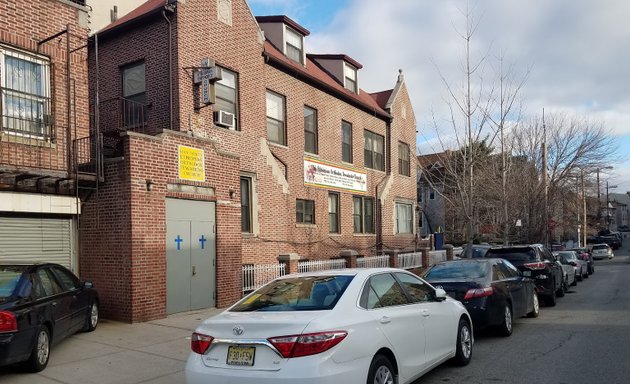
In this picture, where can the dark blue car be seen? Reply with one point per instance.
(40, 305)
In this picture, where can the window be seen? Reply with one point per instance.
(373, 151)
(246, 204)
(333, 213)
(294, 47)
(416, 288)
(49, 284)
(432, 194)
(382, 291)
(226, 91)
(305, 212)
(363, 214)
(420, 219)
(310, 130)
(404, 218)
(346, 142)
(350, 77)
(134, 86)
(25, 88)
(275, 118)
(68, 281)
(403, 159)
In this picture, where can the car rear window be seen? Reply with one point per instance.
(9, 278)
(521, 255)
(458, 270)
(303, 293)
(597, 247)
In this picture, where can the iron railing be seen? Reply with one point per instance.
(88, 155)
(255, 276)
(373, 262)
(120, 114)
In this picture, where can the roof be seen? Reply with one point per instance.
(427, 161)
(337, 56)
(311, 71)
(283, 19)
(144, 10)
(382, 97)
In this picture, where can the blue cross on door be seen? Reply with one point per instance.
(178, 240)
(202, 240)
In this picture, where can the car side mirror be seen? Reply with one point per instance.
(440, 294)
(88, 284)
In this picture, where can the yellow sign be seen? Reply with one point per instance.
(191, 165)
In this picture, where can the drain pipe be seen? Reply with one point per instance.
(170, 69)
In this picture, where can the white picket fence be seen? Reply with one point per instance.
(321, 265)
(436, 257)
(373, 262)
(410, 260)
(255, 276)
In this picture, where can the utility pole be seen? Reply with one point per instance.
(584, 223)
(579, 201)
(545, 183)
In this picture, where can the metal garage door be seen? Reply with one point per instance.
(36, 239)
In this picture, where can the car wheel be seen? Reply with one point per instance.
(505, 329)
(41, 351)
(91, 320)
(381, 371)
(560, 292)
(578, 276)
(464, 347)
(536, 306)
(592, 269)
(551, 299)
(585, 275)
(574, 283)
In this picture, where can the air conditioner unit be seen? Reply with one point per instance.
(225, 119)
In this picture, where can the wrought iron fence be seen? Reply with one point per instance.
(255, 276)
(410, 260)
(373, 262)
(321, 265)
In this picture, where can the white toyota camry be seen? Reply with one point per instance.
(375, 326)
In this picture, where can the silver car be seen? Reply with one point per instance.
(580, 266)
(602, 251)
(568, 269)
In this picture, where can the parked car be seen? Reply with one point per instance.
(478, 250)
(374, 325)
(584, 254)
(580, 266)
(493, 290)
(40, 305)
(570, 273)
(612, 240)
(537, 262)
(602, 251)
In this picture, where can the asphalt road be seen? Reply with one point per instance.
(585, 338)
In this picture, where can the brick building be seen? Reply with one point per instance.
(226, 144)
(44, 129)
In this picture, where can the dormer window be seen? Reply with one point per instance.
(350, 77)
(294, 45)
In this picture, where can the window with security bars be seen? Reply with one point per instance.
(373, 151)
(26, 96)
(310, 130)
(305, 211)
(276, 129)
(404, 218)
(363, 214)
(294, 47)
(226, 91)
(346, 142)
(333, 213)
(403, 159)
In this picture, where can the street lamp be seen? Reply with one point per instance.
(608, 205)
(599, 200)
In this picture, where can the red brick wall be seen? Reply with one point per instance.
(22, 24)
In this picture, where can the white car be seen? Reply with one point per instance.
(602, 251)
(380, 326)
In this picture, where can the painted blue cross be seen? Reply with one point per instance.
(202, 240)
(178, 240)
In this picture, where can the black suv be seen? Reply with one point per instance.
(538, 263)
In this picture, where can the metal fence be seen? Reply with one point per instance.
(436, 257)
(255, 276)
(410, 260)
(321, 265)
(373, 262)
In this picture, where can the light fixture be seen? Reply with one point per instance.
(232, 193)
(149, 185)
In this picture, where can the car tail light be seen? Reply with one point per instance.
(539, 265)
(8, 322)
(480, 292)
(200, 343)
(307, 344)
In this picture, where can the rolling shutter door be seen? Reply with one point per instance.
(32, 239)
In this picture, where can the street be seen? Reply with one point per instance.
(584, 339)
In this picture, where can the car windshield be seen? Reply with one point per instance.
(598, 247)
(514, 255)
(478, 251)
(570, 256)
(303, 293)
(9, 277)
(458, 270)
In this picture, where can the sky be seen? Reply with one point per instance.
(575, 54)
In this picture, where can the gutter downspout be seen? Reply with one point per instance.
(388, 171)
(170, 70)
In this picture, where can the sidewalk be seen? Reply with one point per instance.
(154, 353)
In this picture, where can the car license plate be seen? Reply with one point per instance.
(241, 355)
(527, 273)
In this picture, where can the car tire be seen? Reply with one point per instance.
(91, 321)
(38, 360)
(536, 306)
(381, 371)
(551, 299)
(574, 283)
(578, 276)
(560, 292)
(464, 347)
(505, 329)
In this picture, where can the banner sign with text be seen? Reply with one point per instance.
(191, 165)
(322, 174)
